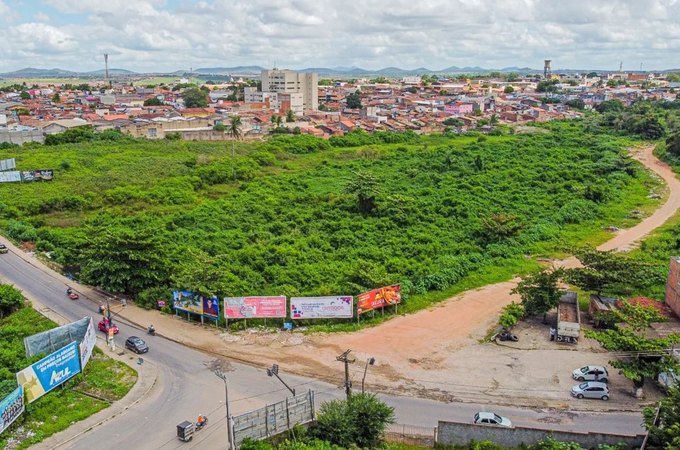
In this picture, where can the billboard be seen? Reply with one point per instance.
(51, 371)
(187, 301)
(211, 307)
(11, 407)
(37, 175)
(10, 177)
(196, 303)
(8, 164)
(87, 343)
(81, 331)
(379, 298)
(247, 307)
(339, 307)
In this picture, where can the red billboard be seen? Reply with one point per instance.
(254, 307)
(379, 298)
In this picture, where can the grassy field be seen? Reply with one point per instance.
(102, 382)
(300, 216)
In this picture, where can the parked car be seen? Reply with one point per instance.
(136, 344)
(489, 418)
(591, 373)
(3, 248)
(591, 389)
(104, 326)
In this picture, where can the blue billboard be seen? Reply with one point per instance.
(196, 303)
(51, 371)
(11, 407)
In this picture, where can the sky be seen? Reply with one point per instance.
(170, 35)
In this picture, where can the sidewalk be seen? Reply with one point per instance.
(147, 373)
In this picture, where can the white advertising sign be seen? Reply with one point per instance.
(337, 307)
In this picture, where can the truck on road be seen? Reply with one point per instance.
(568, 319)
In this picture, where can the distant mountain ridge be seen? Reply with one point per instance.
(32, 72)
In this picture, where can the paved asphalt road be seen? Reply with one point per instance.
(186, 387)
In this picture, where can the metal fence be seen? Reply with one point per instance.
(411, 435)
(274, 419)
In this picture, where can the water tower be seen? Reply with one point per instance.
(547, 70)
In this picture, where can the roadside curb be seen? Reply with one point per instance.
(147, 378)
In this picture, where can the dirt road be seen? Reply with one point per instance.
(467, 317)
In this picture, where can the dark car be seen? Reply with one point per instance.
(3, 248)
(136, 344)
(104, 326)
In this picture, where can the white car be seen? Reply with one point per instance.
(591, 373)
(489, 418)
(591, 389)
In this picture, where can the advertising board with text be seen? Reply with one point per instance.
(379, 298)
(51, 371)
(254, 307)
(340, 307)
(187, 301)
(11, 407)
(87, 344)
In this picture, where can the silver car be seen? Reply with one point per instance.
(591, 389)
(591, 373)
(489, 418)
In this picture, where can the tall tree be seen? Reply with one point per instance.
(365, 186)
(664, 433)
(195, 97)
(290, 116)
(641, 356)
(234, 130)
(539, 291)
(354, 100)
(124, 255)
(610, 271)
(11, 299)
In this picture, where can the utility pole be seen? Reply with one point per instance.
(344, 357)
(220, 374)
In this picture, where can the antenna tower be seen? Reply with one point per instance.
(621, 66)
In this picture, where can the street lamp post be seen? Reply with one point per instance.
(369, 362)
(230, 439)
(274, 371)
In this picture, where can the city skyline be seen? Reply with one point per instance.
(172, 35)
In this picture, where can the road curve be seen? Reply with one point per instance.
(186, 385)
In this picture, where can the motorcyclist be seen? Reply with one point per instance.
(151, 329)
(69, 291)
(200, 421)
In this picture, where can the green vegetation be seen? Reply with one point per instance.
(103, 381)
(539, 292)
(664, 434)
(298, 215)
(358, 422)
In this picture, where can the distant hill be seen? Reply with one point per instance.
(229, 70)
(111, 72)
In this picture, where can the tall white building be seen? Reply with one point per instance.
(291, 82)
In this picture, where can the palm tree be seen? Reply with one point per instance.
(234, 130)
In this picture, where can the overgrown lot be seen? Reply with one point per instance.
(103, 381)
(302, 216)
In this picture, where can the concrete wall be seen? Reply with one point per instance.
(21, 137)
(456, 433)
(673, 285)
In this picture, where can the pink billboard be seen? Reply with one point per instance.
(254, 307)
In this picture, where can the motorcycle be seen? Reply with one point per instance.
(200, 425)
(151, 330)
(507, 336)
(72, 294)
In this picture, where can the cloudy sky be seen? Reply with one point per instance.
(169, 35)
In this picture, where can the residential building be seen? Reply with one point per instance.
(289, 82)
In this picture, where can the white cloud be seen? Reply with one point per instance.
(148, 35)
